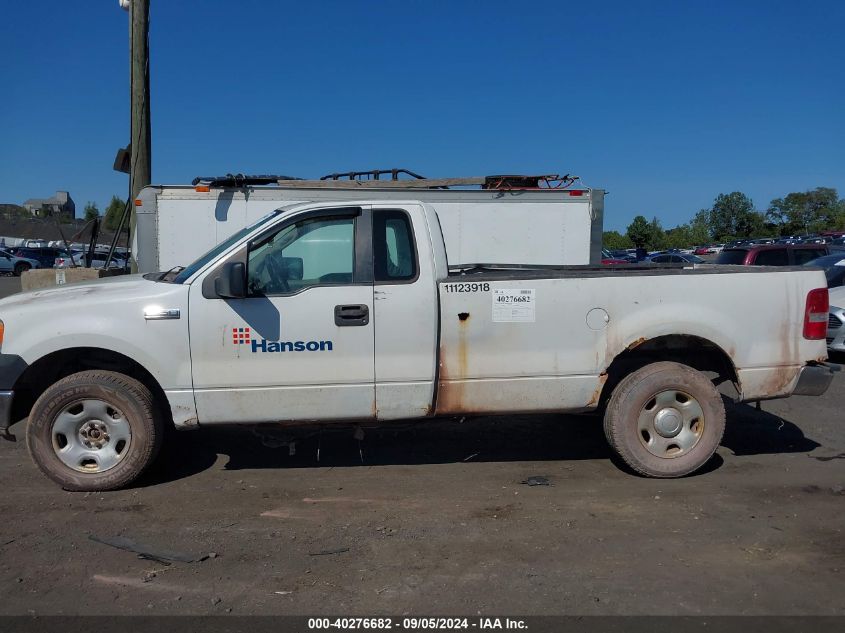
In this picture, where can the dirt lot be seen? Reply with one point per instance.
(434, 519)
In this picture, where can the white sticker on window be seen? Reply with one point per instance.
(513, 305)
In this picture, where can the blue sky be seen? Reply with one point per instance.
(664, 104)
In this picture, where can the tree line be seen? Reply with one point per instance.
(111, 218)
(732, 216)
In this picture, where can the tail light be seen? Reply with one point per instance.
(815, 314)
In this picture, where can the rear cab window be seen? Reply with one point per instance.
(394, 253)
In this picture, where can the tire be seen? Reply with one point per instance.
(94, 431)
(665, 420)
(21, 268)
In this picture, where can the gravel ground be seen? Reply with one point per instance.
(432, 518)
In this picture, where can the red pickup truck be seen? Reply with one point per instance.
(772, 255)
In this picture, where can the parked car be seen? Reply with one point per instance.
(836, 320)
(771, 255)
(10, 263)
(834, 268)
(608, 259)
(674, 258)
(701, 250)
(45, 256)
(98, 261)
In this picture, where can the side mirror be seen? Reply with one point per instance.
(231, 284)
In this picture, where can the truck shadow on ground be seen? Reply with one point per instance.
(450, 440)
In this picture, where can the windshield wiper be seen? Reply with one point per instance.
(165, 276)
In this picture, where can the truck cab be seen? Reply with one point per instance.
(320, 327)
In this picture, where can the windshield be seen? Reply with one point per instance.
(188, 271)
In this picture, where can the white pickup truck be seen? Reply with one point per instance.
(339, 312)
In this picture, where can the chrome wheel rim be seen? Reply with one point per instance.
(670, 424)
(91, 436)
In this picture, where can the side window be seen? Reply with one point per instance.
(774, 257)
(660, 259)
(311, 252)
(395, 257)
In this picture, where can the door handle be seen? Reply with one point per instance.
(354, 314)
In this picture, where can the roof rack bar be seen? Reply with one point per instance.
(502, 183)
(240, 180)
(373, 174)
(422, 183)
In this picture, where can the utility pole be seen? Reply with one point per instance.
(140, 174)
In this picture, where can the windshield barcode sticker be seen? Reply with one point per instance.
(513, 305)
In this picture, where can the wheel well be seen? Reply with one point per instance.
(53, 367)
(693, 351)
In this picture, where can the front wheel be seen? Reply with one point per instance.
(21, 268)
(94, 431)
(665, 420)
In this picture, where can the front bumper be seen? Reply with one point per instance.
(11, 368)
(6, 414)
(813, 380)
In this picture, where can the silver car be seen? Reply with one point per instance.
(836, 320)
(16, 265)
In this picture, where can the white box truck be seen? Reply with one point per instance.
(544, 220)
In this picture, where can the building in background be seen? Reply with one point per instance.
(59, 205)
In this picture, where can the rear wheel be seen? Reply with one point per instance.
(665, 420)
(94, 430)
(21, 268)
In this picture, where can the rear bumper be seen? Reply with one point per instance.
(813, 380)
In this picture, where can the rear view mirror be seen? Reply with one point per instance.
(231, 283)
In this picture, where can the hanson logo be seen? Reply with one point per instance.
(242, 336)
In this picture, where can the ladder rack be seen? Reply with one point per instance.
(372, 180)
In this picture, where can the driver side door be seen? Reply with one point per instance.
(300, 345)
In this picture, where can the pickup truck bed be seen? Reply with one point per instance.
(585, 318)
